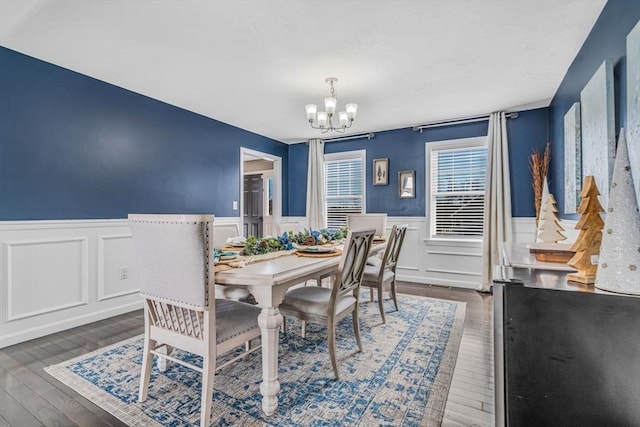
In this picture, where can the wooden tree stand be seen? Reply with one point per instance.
(586, 279)
(551, 252)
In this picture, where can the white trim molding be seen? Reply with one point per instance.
(61, 274)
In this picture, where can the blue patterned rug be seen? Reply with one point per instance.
(401, 378)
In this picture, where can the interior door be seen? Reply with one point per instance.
(253, 205)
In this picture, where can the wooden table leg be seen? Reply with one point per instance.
(270, 321)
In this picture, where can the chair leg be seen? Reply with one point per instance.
(331, 335)
(284, 324)
(356, 327)
(147, 362)
(303, 329)
(393, 293)
(380, 303)
(371, 294)
(247, 349)
(206, 399)
(163, 362)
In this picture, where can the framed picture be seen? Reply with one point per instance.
(380, 171)
(407, 184)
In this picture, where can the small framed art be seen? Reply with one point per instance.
(407, 184)
(380, 171)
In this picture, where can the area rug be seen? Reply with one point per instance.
(401, 378)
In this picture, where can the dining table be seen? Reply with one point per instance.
(268, 282)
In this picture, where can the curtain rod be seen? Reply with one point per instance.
(513, 115)
(345, 138)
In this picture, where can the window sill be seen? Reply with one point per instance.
(453, 242)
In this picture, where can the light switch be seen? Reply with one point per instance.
(235, 205)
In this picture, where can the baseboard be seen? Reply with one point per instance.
(51, 328)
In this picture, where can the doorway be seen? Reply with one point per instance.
(263, 191)
(253, 205)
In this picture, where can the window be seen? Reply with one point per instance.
(457, 179)
(344, 186)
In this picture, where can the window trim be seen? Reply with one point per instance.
(450, 144)
(349, 155)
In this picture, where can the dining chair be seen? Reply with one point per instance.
(174, 258)
(383, 272)
(222, 232)
(366, 221)
(328, 306)
(293, 227)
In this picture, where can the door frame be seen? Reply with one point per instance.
(277, 186)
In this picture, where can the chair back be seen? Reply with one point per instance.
(222, 232)
(394, 245)
(294, 227)
(365, 221)
(351, 267)
(173, 256)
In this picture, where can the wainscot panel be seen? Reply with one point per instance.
(455, 264)
(61, 274)
(57, 275)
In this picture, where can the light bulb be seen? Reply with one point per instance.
(311, 111)
(322, 118)
(352, 110)
(330, 105)
(344, 119)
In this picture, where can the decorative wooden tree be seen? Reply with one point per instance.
(587, 245)
(619, 264)
(545, 193)
(549, 228)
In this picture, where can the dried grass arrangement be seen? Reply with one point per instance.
(539, 166)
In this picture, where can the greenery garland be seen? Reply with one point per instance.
(255, 246)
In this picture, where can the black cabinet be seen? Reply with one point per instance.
(566, 355)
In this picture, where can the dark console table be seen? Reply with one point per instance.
(566, 354)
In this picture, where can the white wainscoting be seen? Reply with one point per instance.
(455, 264)
(56, 275)
(59, 274)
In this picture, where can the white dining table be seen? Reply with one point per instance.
(268, 281)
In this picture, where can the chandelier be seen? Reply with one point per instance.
(323, 120)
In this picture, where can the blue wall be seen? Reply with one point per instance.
(405, 150)
(73, 147)
(607, 40)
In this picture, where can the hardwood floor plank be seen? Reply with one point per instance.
(14, 413)
(474, 413)
(482, 398)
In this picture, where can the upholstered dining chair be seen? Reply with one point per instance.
(174, 258)
(221, 232)
(328, 306)
(383, 271)
(294, 227)
(366, 221)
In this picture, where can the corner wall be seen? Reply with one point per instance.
(607, 40)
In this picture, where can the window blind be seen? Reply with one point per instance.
(343, 190)
(458, 179)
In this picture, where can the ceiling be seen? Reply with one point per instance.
(255, 64)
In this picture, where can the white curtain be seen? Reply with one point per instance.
(497, 198)
(316, 212)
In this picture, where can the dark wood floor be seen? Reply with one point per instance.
(30, 397)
